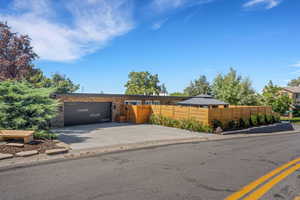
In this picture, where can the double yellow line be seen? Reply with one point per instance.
(279, 174)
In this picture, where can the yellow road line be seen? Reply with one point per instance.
(248, 188)
(265, 188)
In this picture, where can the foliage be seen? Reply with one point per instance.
(198, 86)
(244, 123)
(294, 82)
(217, 123)
(269, 119)
(273, 97)
(43, 134)
(178, 94)
(16, 54)
(276, 118)
(261, 119)
(25, 107)
(60, 83)
(188, 124)
(233, 124)
(254, 120)
(234, 89)
(143, 83)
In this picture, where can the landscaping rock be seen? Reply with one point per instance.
(219, 130)
(15, 144)
(56, 151)
(27, 153)
(64, 145)
(5, 156)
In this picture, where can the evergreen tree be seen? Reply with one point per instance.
(24, 107)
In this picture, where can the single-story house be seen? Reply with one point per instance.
(204, 101)
(85, 108)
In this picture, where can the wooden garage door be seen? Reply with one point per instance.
(86, 112)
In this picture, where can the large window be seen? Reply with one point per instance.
(152, 102)
(133, 102)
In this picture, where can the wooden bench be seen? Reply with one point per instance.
(27, 136)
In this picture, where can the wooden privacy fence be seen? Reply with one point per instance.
(141, 113)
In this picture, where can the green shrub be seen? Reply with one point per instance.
(269, 119)
(276, 118)
(154, 119)
(216, 123)
(261, 119)
(233, 124)
(25, 107)
(253, 120)
(244, 123)
(45, 135)
(188, 124)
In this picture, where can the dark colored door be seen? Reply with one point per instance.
(86, 112)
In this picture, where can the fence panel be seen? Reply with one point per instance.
(141, 113)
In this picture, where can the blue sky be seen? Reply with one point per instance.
(98, 42)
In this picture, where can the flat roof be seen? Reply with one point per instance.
(115, 95)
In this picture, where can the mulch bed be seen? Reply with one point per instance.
(40, 145)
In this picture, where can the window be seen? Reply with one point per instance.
(297, 95)
(133, 102)
(153, 102)
(148, 102)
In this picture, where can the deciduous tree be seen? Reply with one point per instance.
(294, 82)
(198, 86)
(272, 96)
(234, 89)
(143, 83)
(16, 54)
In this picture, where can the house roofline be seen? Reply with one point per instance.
(58, 95)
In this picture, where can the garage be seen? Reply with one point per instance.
(76, 113)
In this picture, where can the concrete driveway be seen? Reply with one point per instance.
(107, 134)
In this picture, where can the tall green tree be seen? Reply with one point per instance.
(294, 82)
(272, 96)
(23, 106)
(143, 83)
(60, 83)
(198, 86)
(234, 89)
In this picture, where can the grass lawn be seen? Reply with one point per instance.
(294, 120)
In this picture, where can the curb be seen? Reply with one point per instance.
(86, 153)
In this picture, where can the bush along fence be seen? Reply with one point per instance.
(201, 119)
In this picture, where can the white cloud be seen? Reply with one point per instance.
(92, 24)
(157, 25)
(163, 5)
(267, 3)
(296, 64)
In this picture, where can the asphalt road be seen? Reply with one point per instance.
(207, 171)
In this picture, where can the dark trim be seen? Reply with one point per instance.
(115, 95)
